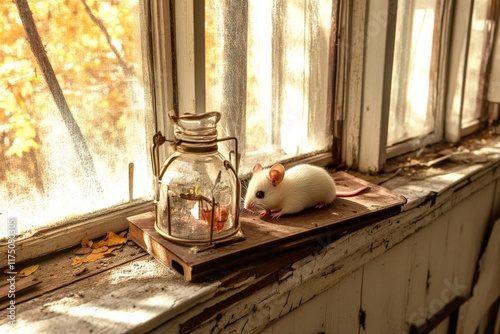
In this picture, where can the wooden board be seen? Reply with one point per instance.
(265, 237)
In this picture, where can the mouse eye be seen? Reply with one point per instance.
(260, 194)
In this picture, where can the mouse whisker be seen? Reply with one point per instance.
(258, 207)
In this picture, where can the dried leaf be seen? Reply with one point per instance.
(110, 249)
(77, 261)
(83, 251)
(93, 257)
(100, 250)
(99, 244)
(85, 242)
(113, 239)
(28, 270)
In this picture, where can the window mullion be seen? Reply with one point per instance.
(188, 55)
(379, 44)
(351, 52)
(457, 68)
(161, 62)
(199, 56)
(279, 20)
(234, 85)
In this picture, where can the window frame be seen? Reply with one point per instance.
(189, 84)
(366, 111)
(462, 26)
(156, 29)
(359, 113)
(436, 92)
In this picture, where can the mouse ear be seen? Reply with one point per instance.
(256, 168)
(276, 174)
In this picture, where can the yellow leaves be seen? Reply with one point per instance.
(84, 65)
(28, 271)
(86, 242)
(78, 261)
(24, 133)
(99, 249)
(25, 272)
(114, 240)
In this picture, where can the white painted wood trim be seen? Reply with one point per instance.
(462, 13)
(185, 55)
(160, 70)
(352, 38)
(494, 81)
(440, 92)
(487, 288)
(199, 55)
(379, 42)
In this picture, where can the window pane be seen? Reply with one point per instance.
(479, 43)
(414, 73)
(285, 92)
(94, 48)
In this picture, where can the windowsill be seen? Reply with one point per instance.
(136, 293)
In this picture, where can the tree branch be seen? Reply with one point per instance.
(43, 61)
(127, 70)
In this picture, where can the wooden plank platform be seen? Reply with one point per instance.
(265, 237)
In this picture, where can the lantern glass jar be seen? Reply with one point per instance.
(198, 191)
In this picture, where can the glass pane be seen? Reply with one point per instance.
(414, 74)
(281, 110)
(47, 173)
(478, 47)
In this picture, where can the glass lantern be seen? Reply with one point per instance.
(197, 192)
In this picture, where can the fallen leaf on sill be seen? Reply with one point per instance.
(99, 249)
(114, 240)
(78, 261)
(86, 243)
(99, 244)
(28, 271)
(83, 251)
(110, 249)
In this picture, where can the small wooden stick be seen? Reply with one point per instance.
(131, 182)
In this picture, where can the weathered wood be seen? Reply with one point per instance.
(440, 322)
(385, 287)
(145, 295)
(21, 285)
(414, 312)
(56, 272)
(54, 239)
(487, 288)
(267, 237)
(343, 303)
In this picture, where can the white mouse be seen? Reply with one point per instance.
(270, 191)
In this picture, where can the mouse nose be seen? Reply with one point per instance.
(249, 206)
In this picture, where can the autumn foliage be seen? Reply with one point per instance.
(94, 48)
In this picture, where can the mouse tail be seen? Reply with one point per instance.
(350, 193)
